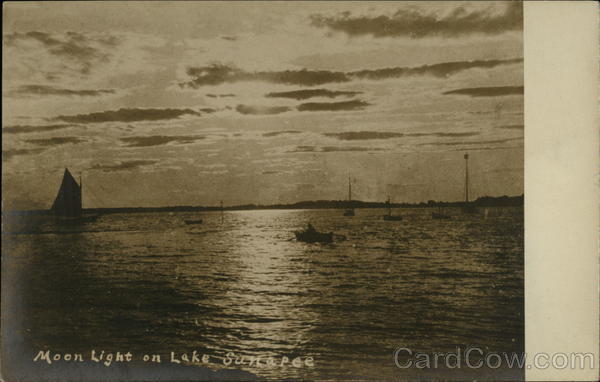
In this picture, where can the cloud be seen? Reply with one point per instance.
(440, 70)
(443, 134)
(446, 135)
(492, 91)
(363, 135)
(309, 93)
(261, 110)
(159, 140)
(9, 154)
(414, 23)
(220, 95)
(18, 129)
(217, 74)
(126, 165)
(42, 90)
(492, 141)
(276, 133)
(79, 51)
(511, 127)
(55, 141)
(127, 115)
(333, 106)
(331, 149)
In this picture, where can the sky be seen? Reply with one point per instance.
(191, 103)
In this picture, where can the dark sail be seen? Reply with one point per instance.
(68, 200)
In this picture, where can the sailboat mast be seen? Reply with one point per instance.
(389, 206)
(222, 215)
(466, 178)
(349, 189)
(81, 192)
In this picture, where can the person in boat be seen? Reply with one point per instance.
(310, 228)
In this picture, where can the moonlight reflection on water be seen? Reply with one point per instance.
(149, 283)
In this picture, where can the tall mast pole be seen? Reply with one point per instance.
(222, 217)
(81, 191)
(466, 178)
(349, 189)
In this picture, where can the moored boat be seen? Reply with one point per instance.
(349, 211)
(389, 216)
(467, 207)
(439, 215)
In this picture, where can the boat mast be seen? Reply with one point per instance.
(81, 192)
(222, 217)
(466, 178)
(389, 205)
(349, 189)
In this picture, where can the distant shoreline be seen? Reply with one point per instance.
(485, 201)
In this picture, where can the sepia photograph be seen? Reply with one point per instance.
(264, 190)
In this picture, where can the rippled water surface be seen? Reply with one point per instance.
(147, 282)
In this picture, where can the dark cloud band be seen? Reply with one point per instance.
(217, 74)
(19, 129)
(261, 110)
(492, 91)
(412, 23)
(310, 93)
(42, 90)
(159, 140)
(55, 141)
(127, 115)
(333, 106)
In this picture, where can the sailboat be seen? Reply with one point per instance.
(467, 208)
(349, 211)
(389, 216)
(68, 205)
(439, 215)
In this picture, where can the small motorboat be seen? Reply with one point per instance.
(311, 235)
(194, 221)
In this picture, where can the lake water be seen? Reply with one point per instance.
(147, 283)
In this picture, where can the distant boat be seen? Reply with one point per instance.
(349, 211)
(68, 205)
(467, 208)
(193, 221)
(389, 216)
(439, 215)
(311, 235)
